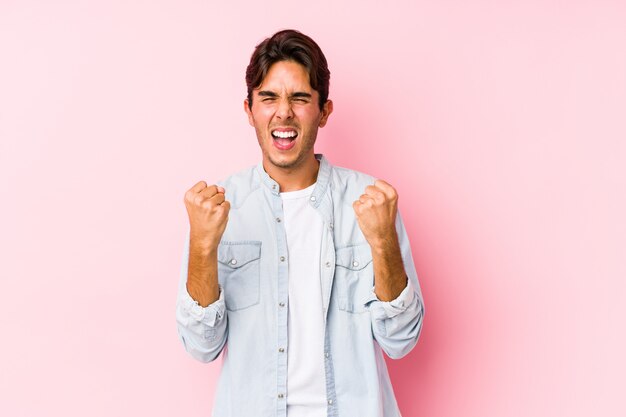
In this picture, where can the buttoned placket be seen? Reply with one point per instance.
(282, 286)
(323, 204)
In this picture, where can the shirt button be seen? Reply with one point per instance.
(330, 402)
(281, 304)
(282, 259)
(281, 395)
(281, 350)
(278, 219)
(355, 264)
(312, 198)
(327, 264)
(327, 354)
(273, 186)
(233, 261)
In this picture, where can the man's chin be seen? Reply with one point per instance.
(288, 162)
(285, 163)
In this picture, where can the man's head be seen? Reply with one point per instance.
(287, 99)
(289, 45)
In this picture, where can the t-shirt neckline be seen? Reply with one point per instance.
(305, 192)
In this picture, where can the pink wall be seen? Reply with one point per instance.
(502, 125)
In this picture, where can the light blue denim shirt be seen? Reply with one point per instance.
(248, 323)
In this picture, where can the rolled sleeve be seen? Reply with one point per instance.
(388, 309)
(202, 330)
(396, 324)
(210, 315)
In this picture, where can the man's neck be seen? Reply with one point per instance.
(296, 178)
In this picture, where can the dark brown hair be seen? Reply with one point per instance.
(289, 45)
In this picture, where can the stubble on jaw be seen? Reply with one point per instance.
(299, 161)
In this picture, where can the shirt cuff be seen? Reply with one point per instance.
(396, 306)
(210, 314)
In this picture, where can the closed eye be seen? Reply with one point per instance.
(267, 95)
(301, 97)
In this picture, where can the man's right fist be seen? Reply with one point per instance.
(208, 213)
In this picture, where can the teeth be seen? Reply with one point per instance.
(290, 134)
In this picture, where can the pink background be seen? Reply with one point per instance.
(501, 124)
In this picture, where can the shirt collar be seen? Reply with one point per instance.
(323, 177)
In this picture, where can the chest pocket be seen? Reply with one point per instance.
(239, 269)
(354, 277)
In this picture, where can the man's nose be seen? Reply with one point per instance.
(284, 110)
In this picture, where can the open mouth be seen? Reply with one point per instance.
(284, 139)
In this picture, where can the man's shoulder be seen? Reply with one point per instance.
(239, 185)
(347, 178)
(244, 174)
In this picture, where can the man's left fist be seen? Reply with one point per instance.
(376, 213)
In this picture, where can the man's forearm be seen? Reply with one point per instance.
(389, 275)
(202, 283)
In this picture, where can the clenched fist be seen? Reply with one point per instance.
(376, 213)
(208, 213)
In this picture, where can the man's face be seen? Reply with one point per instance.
(286, 115)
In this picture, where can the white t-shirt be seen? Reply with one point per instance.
(306, 380)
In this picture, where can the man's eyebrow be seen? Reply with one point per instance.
(301, 94)
(266, 93)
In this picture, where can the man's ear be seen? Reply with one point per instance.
(326, 111)
(248, 110)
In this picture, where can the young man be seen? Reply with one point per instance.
(299, 271)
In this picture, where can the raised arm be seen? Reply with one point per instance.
(200, 311)
(396, 305)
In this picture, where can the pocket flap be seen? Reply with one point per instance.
(236, 255)
(354, 257)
